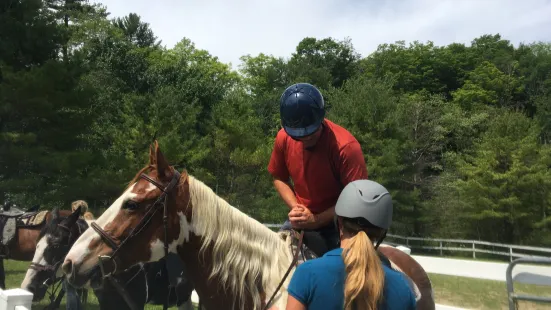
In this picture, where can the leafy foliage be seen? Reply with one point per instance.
(459, 134)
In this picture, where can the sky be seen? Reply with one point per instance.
(230, 29)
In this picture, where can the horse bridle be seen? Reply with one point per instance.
(52, 280)
(162, 200)
(142, 224)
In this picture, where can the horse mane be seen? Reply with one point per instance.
(245, 252)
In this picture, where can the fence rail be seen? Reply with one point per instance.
(473, 246)
(15, 299)
(458, 245)
(514, 297)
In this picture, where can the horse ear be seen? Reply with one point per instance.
(78, 211)
(163, 168)
(55, 213)
(152, 159)
(74, 216)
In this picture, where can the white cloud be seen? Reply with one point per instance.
(231, 29)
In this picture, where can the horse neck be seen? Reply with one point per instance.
(237, 249)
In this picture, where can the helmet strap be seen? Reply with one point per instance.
(380, 239)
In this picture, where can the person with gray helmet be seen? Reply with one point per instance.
(352, 276)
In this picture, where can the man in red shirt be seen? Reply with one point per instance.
(320, 157)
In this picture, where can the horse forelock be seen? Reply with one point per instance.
(244, 250)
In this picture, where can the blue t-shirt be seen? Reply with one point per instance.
(319, 284)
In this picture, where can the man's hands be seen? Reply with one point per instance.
(302, 218)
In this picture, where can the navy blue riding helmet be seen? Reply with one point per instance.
(301, 109)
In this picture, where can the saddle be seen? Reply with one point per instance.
(291, 238)
(11, 212)
(12, 219)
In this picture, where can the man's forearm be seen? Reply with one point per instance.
(325, 217)
(286, 193)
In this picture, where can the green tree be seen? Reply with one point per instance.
(326, 62)
(502, 192)
(266, 77)
(138, 32)
(30, 36)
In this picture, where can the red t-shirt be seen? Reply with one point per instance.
(321, 173)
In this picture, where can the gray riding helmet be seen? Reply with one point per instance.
(366, 199)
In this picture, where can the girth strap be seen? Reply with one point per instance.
(293, 263)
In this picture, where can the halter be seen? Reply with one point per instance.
(52, 280)
(162, 200)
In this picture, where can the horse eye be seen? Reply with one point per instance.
(131, 205)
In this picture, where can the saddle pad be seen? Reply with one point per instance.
(35, 219)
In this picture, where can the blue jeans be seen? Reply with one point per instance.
(319, 241)
(73, 299)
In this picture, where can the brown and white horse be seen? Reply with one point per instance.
(234, 261)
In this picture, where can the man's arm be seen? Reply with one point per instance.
(280, 174)
(305, 219)
(325, 217)
(285, 192)
(294, 304)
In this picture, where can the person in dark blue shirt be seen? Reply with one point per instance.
(353, 277)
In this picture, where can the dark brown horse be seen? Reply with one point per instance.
(19, 232)
(234, 261)
(414, 271)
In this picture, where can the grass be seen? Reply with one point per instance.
(482, 294)
(15, 273)
(449, 290)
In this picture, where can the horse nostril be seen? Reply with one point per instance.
(67, 266)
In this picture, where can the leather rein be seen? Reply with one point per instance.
(162, 200)
(103, 259)
(293, 263)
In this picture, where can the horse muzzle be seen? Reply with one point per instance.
(75, 276)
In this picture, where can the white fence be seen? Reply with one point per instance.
(473, 246)
(15, 299)
(459, 245)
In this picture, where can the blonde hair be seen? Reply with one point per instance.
(363, 287)
(88, 216)
(79, 203)
(247, 257)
